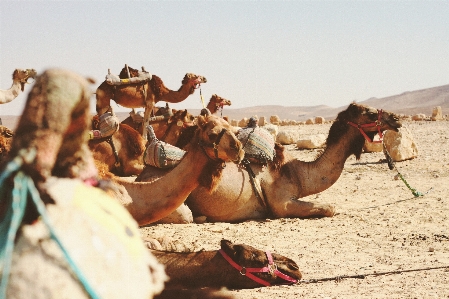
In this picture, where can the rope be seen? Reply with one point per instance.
(363, 276)
(202, 99)
(17, 198)
(391, 165)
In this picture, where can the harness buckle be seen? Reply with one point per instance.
(243, 271)
(272, 268)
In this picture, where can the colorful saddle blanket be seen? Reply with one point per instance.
(258, 144)
(161, 154)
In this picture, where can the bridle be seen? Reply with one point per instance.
(377, 124)
(215, 144)
(270, 268)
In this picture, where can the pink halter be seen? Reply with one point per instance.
(377, 124)
(270, 268)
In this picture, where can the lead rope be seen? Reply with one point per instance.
(392, 166)
(24, 187)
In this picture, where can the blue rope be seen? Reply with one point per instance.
(10, 224)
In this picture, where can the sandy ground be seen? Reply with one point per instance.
(381, 230)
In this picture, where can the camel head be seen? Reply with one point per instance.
(215, 135)
(365, 120)
(22, 76)
(194, 81)
(247, 257)
(219, 102)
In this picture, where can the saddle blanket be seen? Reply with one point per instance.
(258, 144)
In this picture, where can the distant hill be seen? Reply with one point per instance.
(409, 103)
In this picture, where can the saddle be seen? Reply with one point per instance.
(142, 77)
(161, 154)
(258, 144)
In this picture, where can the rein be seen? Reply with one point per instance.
(377, 124)
(270, 268)
(215, 144)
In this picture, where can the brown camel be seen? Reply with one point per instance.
(5, 142)
(213, 143)
(19, 79)
(73, 241)
(212, 269)
(217, 103)
(123, 151)
(278, 189)
(146, 94)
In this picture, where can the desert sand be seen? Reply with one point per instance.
(396, 242)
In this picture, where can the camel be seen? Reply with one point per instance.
(213, 144)
(66, 237)
(5, 142)
(223, 268)
(146, 94)
(19, 79)
(279, 189)
(123, 151)
(217, 103)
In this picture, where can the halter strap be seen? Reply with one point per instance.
(270, 268)
(215, 144)
(377, 124)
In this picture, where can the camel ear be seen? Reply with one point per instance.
(226, 244)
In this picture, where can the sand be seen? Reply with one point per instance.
(399, 242)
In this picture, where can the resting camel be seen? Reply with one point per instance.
(70, 240)
(279, 189)
(129, 145)
(5, 142)
(223, 268)
(147, 94)
(213, 143)
(19, 79)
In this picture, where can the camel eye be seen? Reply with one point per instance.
(212, 137)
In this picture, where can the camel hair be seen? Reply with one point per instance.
(100, 253)
(279, 189)
(214, 144)
(146, 94)
(212, 270)
(19, 79)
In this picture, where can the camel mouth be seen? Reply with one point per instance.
(394, 123)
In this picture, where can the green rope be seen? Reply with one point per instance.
(16, 200)
(391, 165)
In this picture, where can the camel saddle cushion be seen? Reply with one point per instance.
(107, 123)
(112, 79)
(161, 154)
(258, 144)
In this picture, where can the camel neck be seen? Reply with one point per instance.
(10, 94)
(151, 201)
(317, 176)
(172, 96)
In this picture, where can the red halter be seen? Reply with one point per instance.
(377, 124)
(270, 268)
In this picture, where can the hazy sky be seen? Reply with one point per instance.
(289, 53)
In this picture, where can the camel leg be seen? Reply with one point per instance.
(295, 208)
